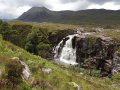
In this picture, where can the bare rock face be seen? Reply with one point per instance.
(96, 52)
(57, 36)
(116, 62)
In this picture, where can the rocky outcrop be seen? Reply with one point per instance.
(96, 52)
(58, 35)
(92, 51)
(116, 62)
(25, 71)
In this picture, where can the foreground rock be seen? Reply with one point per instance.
(26, 72)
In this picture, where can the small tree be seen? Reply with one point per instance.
(32, 42)
(37, 41)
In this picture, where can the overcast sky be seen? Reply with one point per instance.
(10, 9)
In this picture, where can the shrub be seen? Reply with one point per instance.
(14, 70)
(43, 46)
(37, 42)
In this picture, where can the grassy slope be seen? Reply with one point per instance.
(49, 26)
(59, 77)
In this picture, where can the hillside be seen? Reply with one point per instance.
(44, 73)
(90, 16)
(59, 78)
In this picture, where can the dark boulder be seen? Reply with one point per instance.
(97, 51)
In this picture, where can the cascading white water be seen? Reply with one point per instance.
(56, 50)
(67, 54)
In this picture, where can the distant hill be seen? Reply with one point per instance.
(100, 16)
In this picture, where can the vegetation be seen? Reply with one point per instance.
(34, 38)
(37, 42)
(13, 70)
(58, 79)
(15, 34)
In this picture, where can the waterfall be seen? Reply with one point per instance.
(65, 52)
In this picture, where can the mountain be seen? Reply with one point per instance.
(42, 14)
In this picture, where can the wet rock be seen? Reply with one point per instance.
(57, 36)
(97, 51)
(92, 51)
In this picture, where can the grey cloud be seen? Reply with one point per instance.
(6, 15)
(68, 1)
(103, 1)
(8, 7)
(99, 1)
(91, 1)
(19, 3)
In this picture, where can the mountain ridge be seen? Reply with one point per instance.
(42, 14)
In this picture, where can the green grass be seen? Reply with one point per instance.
(60, 76)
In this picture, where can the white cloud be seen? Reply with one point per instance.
(14, 8)
(57, 5)
(22, 9)
(109, 5)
